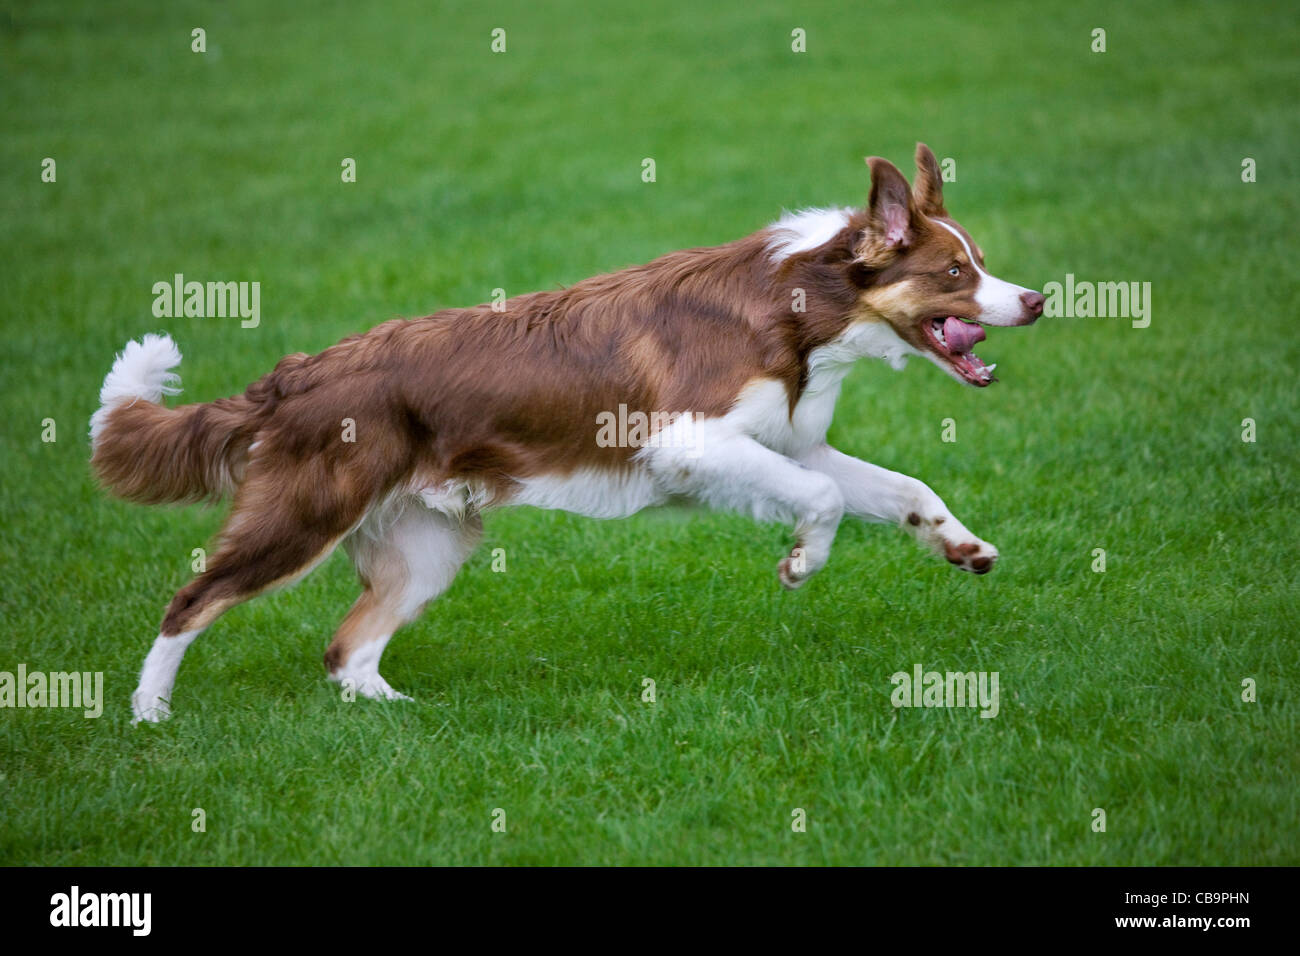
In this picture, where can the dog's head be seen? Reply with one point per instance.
(924, 276)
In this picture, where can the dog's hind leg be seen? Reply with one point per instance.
(406, 555)
(281, 526)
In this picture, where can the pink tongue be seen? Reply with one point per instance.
(961, 336)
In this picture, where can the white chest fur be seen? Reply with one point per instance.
(763, 410)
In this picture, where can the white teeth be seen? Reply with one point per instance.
(990, 368)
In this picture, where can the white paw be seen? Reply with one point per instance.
(379, 689)
(371, 685)
(948, 538)
(153, 713)
(794, 569)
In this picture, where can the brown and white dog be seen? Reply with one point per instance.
(477, 408)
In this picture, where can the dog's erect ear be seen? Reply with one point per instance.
(889, 209)
(927, 192)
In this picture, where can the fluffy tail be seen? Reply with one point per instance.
(147, 452)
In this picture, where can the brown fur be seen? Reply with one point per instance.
(191, 453)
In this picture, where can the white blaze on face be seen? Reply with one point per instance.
(999, 300)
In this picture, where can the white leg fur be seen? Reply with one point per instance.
(877, 494)
(736, 473)
(409, 555)
(152, 698)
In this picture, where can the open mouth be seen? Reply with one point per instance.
(953, 338)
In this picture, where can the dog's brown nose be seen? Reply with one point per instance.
(1033, 302)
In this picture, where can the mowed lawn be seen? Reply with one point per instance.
(1120, 691)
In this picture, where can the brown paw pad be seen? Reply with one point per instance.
(974, 556)
(958, 553)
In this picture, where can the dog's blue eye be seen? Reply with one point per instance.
(955, 271)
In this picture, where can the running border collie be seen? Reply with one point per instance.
(394, 442)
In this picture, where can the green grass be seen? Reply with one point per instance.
(1120, 690)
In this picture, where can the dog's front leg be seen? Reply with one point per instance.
(737, 473)
(878, 494)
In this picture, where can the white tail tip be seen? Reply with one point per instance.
(143, 370)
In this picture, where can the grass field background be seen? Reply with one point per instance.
(1120, 690)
